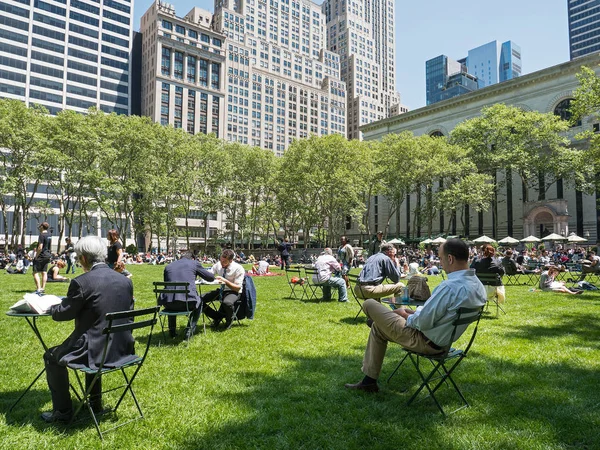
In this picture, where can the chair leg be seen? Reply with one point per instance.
(425, 384)
(397, 367)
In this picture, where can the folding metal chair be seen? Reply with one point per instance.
(297, 273)
(173, 287)
(353, 280)
(491, 281)
(512, 278)
(441, 372)
(311, 288)
(117, 322)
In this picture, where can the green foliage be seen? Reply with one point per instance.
(131, 249)
(277, 382)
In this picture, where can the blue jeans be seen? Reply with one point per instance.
(334, 282)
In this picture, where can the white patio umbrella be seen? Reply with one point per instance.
(426, 241)
(438, 241)
(508, 241)
(554, 237)
(573, 238)
(531, 239)
(396, 241)
(483, 240)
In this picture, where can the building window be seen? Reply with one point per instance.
(203, 72)
(165, 65)
(214, 76)
(191, 69)
(563, 110)
(178, 66)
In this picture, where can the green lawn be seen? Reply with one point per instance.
(277, 382)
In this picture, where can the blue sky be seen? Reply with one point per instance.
(429, 28)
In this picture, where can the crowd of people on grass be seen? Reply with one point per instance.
(105, 287)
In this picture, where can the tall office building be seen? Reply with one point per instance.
(584, 27)
(362, 34)
(183, 61)
(282, 82)
(446, 78)
(70, 54)
(510, 61)
(491, 64)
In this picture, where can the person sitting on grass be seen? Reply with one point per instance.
(54, 276)
(548, 282)
(260, 267)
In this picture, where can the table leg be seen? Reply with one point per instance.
(27, 390)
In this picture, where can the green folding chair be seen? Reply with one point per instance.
(444, 365)
(117, 322)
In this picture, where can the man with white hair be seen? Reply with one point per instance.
(100, 290)
(327, 266)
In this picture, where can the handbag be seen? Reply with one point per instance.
(418, 288)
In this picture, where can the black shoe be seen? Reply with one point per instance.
(228, 324)
(57, 416)
(173, 333)
(360, 386)
(216, 323)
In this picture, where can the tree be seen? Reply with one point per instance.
(22, 141)
(528, 143)
(70, 159)
(122, 171)
(587, 103)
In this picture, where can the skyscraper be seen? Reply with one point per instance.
(282, 82)
(584, 27)
(510, 61)
(67, 55)
(362, 34)
(183, 61)
(491, 66)
(446, 78)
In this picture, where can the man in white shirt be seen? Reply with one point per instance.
(428, 329)
(327, 266)
(231, 274)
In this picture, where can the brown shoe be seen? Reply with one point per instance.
(363, 387)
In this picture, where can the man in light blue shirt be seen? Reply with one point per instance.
(428, 329)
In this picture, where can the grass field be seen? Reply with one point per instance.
(276, 382)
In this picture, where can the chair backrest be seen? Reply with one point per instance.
(464, 318)
(509, 269)
(170, 287)
(289, 273)
(489, 279)
(125, 321)
(309, 272)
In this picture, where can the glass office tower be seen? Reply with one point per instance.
(69, 54)
(584, 27)
(510, 61)
(446, 78)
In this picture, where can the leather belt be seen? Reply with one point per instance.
(369, 283)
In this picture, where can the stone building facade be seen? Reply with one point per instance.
(563, 210)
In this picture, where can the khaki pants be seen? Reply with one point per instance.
(389, 326)
(377, 291)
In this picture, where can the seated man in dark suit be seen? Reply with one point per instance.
(100, 290)
(185, 269)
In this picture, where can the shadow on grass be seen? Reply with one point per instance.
(585, 325)
(308, 407)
